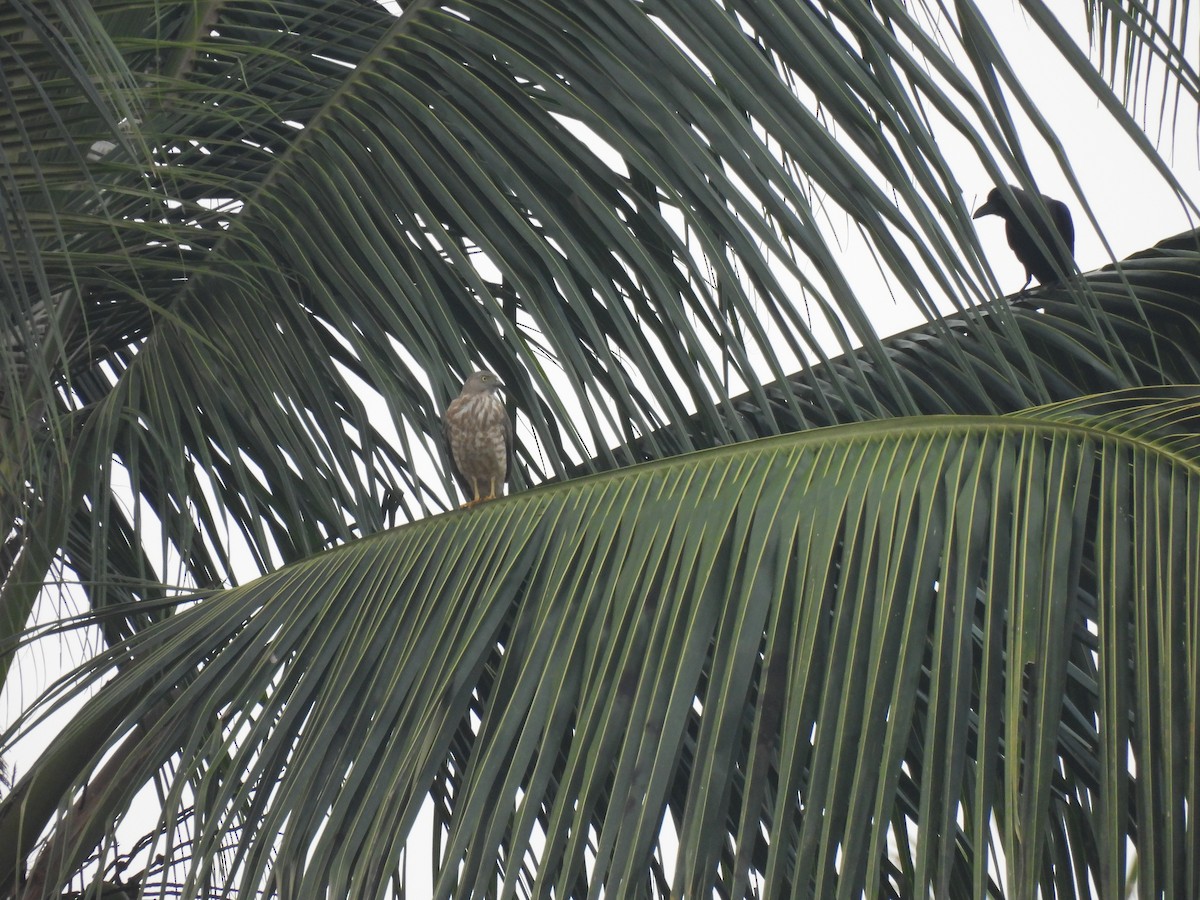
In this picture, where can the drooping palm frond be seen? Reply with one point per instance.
(1150, 329)
(1145, 50)
(617, 206)
(900, 656)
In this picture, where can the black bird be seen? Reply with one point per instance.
(1038, 251)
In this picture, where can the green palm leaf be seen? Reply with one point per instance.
(458, 209)
(1147, 304)
(794, 647)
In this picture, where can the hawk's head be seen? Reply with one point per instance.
(482, 383)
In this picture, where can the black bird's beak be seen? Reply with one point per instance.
(986, 210)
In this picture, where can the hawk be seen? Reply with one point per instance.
(479, 435)
(1038, 251)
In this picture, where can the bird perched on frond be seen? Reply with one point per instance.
(479, 435)
(1037, 250)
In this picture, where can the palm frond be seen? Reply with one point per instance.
(618, 208)
(1136, 41)
(948, 638)
(1147, 304)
